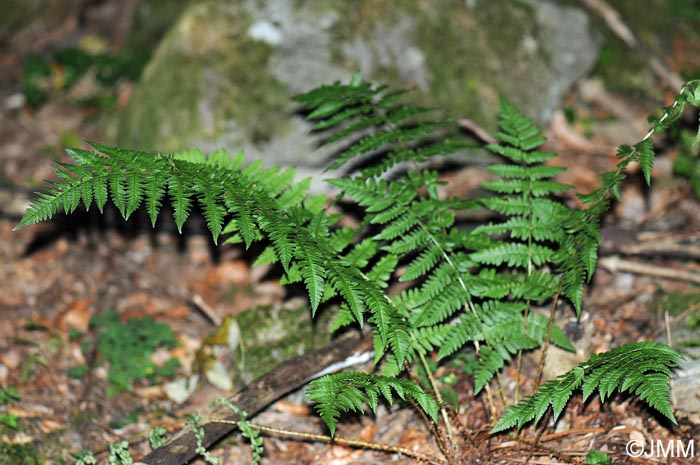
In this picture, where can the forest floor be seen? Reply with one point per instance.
(57, 276)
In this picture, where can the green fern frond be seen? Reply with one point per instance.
(490, 362)
(523, 229)
(517, 130)
(313, 273)
(514, 254)
(538, 285)
(459, 285)
(383, 270)
(430, 338)
(519, 186)
(350, 392)
(531, 173)
(642, 368)
(297, 235)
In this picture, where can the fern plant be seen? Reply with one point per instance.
(461, 287)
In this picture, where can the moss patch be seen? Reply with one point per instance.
(203, 75)
(272, 335)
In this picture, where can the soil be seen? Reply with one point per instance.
(57, 276)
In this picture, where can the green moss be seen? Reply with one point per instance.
(14, 11)
(676, 303)
(623, 72)
(685, 334)
(11, 453)
(434, 27)
(20, 454)
(473, 94)
(503, 31)
(128, 347)
(273, 334)
(201, 78)
(152, 20)
(152, 110)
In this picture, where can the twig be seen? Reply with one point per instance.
(443, 444)
(545, 347)
(537, 449)
(436, 392)
(206, 309)
(685, 245)
(613, 20)
(615, 264)
(343, 442)
(480, 133)
(560, 434)
(693, 308)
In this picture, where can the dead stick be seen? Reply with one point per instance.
(253, 398)
(615, 264)
(481, 133)
(613, 20)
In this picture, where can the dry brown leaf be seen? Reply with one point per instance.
(75, 316)
(299, 410)
(49, 426)
(369, 432)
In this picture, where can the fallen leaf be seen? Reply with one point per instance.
(75, 316)
(299, 410)
(49, 426)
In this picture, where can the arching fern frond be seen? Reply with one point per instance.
(226, 193)
(641, 368)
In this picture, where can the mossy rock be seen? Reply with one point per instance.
(684, 309)
(224, 75)
(273, 334)
(254, 342)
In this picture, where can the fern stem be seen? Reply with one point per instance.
(545, 345)
(341, 441)
(446, 445)
(469, 305)
(436, 392)
(519, 362)
(501, 389)
(492, 405)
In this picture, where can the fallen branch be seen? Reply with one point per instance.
(287, 377)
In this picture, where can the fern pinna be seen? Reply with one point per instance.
(461, 287)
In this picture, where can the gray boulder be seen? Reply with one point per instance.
(225, 73)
